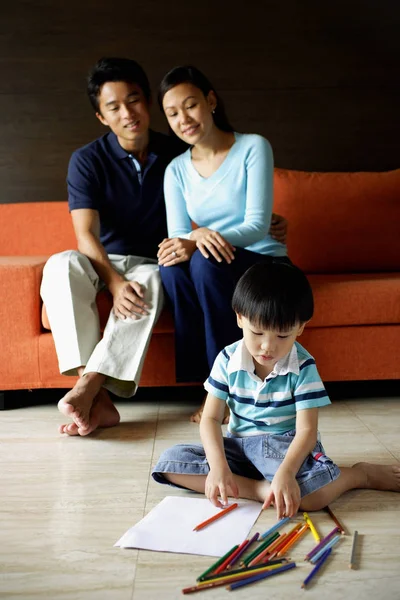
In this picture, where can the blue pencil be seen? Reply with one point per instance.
(255, 578)
(274, 527)
(331, 543)
(319, 564)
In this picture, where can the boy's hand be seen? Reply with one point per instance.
(284, 494)
(220, 482)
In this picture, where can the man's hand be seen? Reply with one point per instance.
(127, 296)
(278, 228)
(220, 482)
(212, 242)
(175, 250)
(284, 494)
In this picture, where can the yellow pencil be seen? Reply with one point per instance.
(311, 525)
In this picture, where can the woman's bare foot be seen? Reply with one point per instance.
(380, 477)
(196, 416)
(77, 403)
(103, 414)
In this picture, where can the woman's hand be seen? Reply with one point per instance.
(284, 494)
(175, 250)
(278, 228)
(220, 482)
(212, 242)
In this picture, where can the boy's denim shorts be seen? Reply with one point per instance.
(255, 457)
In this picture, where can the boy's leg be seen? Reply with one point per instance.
(361, 476)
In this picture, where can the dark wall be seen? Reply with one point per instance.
(319, 79)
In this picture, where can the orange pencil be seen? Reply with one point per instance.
(293, 540)
(259, 558)
(290, 535)
(220, 514)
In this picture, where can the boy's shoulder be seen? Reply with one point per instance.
(303, 355)
(229, 351)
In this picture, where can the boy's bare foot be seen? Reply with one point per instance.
(77, 403)
(103, 414)
(196, 416)
(380, 477)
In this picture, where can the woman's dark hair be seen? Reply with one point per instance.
(274, 295)
(189, 74)
(115, 69)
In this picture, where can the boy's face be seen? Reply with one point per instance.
(125, 110)
(267, 346)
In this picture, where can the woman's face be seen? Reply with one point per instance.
(189, 112)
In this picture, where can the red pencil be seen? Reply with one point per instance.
(220, 514)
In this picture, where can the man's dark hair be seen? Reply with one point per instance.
(274, 295)
(115, 69)
(189, 74)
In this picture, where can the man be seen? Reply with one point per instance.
(115, 195)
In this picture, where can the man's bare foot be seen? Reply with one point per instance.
(380, 477)
(196, 416)
(103, 414)
(77, 403)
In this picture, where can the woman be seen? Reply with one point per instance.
(224, 184)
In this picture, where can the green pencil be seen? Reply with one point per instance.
(219, 562)
(261, 547)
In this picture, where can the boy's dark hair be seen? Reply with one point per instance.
(274, 295)
(115, 69)
(189, 74)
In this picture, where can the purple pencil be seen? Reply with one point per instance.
(322, 543)
(243, 550)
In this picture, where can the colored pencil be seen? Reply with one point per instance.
(353, 551)
(289, 536)
(274, 527)
(256, 578)
(220, 514)
(293, 540)
(317, 567)
(217, 563)
(268, 550)
(242, 574)
(335, 520)
(242, 551)
(315, 533)
(226, 562)
(322, 543)
(278, 561)
(223, 579)
(314, 559)
(260, 548)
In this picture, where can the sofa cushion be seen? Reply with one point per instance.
(341, 222)
(165, 323)
(360, 299)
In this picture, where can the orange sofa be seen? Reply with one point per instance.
(344, 232)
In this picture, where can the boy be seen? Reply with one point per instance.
(271, 384)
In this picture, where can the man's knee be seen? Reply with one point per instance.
(58, 261)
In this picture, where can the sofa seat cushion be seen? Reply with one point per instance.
(358, 299)
(165, 323)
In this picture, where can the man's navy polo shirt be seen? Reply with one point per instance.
(102, 176)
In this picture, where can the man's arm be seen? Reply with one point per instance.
(126, 294)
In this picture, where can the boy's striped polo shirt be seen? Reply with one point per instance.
(265, 406)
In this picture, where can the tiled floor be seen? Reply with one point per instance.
(65, 502)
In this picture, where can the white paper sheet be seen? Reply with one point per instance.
(169, 527)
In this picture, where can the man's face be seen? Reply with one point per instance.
(125, 110)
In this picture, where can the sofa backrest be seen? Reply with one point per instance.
(35, 229)
(341, 222)
(338, 222)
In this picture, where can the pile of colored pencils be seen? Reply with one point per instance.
(263, 556)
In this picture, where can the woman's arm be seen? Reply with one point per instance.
(178, 221)
(259, 196)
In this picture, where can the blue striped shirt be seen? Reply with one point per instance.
(270, 405)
